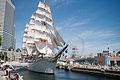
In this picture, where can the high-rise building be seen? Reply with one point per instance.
(7, 27)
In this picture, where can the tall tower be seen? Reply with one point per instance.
(7, 27)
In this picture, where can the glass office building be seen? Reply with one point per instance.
(7, 27)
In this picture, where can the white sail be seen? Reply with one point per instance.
(58, 36)
(31, 21)
(53, 42)
(30, 33)
(38, 36)
(51, 30)
(41, 40)
(24, 39)
(42, 5)
(41, 47)
(29, 50)
(40, 27)
(44, 13)
(25, 29)
(24, 44)
(40, 18)
(30, 40)
(33, 17)
(57, 42)
(49, 21)
(54, 38)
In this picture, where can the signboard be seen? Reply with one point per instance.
(107, 61)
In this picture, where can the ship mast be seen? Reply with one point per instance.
(44, 1)
(37, 32)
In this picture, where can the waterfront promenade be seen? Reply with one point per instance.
(92, 69)
(74, 74)
(97, 72)
(2, 77)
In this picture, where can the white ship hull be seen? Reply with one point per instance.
(45, 66)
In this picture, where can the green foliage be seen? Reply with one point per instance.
(2, 56)
(6, 58)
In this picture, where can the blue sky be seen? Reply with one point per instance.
(90, 25)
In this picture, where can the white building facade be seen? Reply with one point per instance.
(14, 55)
(7, 28)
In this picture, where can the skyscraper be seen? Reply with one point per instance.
(7, 10)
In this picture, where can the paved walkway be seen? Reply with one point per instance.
(2, 77)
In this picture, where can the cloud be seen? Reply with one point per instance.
(85, 21)
(65, 23)
(77, 42)
(66, 2)
(72, 23)
(60, 3)
(108, 34)
(88, 41)
(115, 45)
(93, 34)
(63, 2)
(53, 2)
(58, 28)
(95, 47)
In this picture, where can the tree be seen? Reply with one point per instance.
(6, 58)
(2, 56)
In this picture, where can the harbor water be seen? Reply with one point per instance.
(62, 75)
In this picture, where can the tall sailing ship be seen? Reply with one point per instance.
(41, 40)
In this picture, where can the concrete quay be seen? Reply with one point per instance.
(2, 75)
(89, 69)
(98, 72)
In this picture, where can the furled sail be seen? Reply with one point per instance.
(44, 6)
(31, 21)
(43, 12)
(39, 17)
(29, 50)
(24, 39)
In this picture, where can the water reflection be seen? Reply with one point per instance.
(28, 75)
(62, 75)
